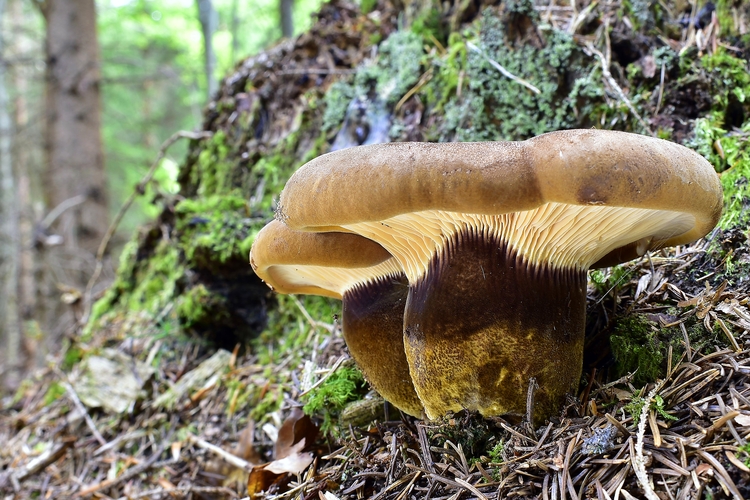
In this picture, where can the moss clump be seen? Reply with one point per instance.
(337, 100)
(215, 230)
(385, 79)
(637, 349)
(396, 69)
(495, 107)
(345, 385)
(199, 306)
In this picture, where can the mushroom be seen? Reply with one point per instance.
(371, 285)
(496, 239)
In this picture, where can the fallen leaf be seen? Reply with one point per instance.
(294, 463)
(297, 427)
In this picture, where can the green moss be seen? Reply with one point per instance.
(494, 107)
(637, 349)
(215, 230)
(198, 305)
(397, 68)
(212, 171)
(429, 26)
(337, 99)
(345, 385)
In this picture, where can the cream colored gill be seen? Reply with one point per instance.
(554, 234)
(334, 279)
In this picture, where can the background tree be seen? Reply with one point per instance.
(10, 332)
(209, 21)
(287, 17)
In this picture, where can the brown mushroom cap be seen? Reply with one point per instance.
(368, 280)
(585, 168)
(495, 240)
(324, 264)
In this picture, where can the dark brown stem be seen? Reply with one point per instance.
(483, 321)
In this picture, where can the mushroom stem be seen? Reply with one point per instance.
(373, 319)
(483, 321)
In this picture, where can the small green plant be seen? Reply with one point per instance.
(635, 407)
(745, 454)
(496, 452)
(54, 392)
(328, 399)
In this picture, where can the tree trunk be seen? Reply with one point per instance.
(10, 331)
(287, 22)
(74, 180)
(209, 21)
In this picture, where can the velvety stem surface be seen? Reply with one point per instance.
(483, 322)
(373, 320)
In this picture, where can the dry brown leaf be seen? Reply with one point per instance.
(294, 435)
(294, 463)
(296, 427)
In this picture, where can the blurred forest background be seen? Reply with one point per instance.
(88, 92)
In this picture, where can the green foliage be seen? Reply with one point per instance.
(55, 391)
(212, 170)
(447, 70)
(607, 279)
(745, 454)
(635, 407)
(495, 454)
(72, 355)
(494, 107)
(286, 338)
(345, 385)
(637, 349)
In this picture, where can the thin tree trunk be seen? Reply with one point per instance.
(26, 166)
(73, 148)
(10, 331)
(234, 25)
(209, 21)
(287, 21)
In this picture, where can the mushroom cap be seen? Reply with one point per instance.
(597, 168)
(324, 264)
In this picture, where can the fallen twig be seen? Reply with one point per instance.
(613, 83)
(502, 70)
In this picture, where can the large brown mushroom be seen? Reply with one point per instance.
(371, 285)
(496, 240)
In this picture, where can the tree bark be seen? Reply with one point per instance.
(209, 21)
(10, 331)
(287, 21)
(75, 162)
(74, 179)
